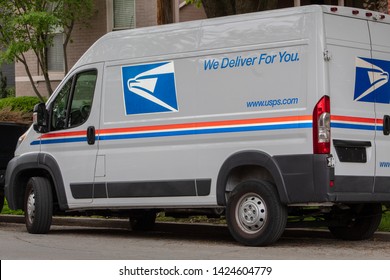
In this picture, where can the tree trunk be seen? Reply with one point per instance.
(219, 8)
(245, 6)
(22, 59)
(231, 7)
(268, 5)
(68, 32)
(42, 60)
(164, 12)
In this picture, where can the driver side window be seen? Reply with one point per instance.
(73, 103)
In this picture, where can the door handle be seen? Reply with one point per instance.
(91, 134)
(386, 124)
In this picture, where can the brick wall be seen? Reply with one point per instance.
(83, 37)
(191, 12)
(145, 13)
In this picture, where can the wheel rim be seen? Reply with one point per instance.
(31, 207)
(251, 213)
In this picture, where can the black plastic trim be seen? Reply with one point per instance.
(253, 158)
(351, 143)
(382, 184)
(31, 164)
(351, 151)
(197, 187)
(306, 177)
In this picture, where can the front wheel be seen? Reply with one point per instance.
(38, 205)
(254, 213)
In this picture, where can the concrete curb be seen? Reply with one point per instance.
(73, 221)
(116, 223)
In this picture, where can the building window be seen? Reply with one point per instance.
(55, 54)
(124, 14)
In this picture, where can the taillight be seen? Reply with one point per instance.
(321, 126)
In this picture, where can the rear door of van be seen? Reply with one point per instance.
(381, 95)
(352, 118)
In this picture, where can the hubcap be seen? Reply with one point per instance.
(251, 213)
(31, 207)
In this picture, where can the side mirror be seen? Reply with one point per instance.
(40, 119)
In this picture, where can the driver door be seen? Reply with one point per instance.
(73, 116)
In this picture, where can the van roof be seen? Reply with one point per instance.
(190, 36)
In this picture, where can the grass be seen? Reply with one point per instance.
(384, 225)
(8, 211)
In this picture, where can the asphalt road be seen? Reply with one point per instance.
(111, 239)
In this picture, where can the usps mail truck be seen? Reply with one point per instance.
(275, 116)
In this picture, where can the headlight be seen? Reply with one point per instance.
(20, 140)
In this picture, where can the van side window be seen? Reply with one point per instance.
(60, 105)
(72, 106)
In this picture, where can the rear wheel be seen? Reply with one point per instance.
(142, 220)
(38, 205)
(254, 213)
(361, 222)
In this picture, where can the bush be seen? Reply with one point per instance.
(10, 92)
(24, 104)
(17, 109)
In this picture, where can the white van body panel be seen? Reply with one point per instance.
(380, 51)
(193, 142)
(176, 107)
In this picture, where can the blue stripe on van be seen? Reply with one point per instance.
(60, 140)
(204, 131)
(176, 133)
(353, 126)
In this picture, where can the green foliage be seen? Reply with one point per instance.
(385, 222)
(8, 211)
(197, 3)
(17, 109)
(24, 104)
(27, 25)
(11, 92)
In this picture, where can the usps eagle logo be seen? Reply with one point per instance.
(149, 88)
(372, 80)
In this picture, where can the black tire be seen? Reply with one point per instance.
(38, 205)
(267, 219)
(142, 220)
(361, 222)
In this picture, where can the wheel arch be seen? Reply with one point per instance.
(249, 164)
(22, 168)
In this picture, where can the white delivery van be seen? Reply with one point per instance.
(272, 115)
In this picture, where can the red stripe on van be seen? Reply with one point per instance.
(181, 126)
(205, 124)
(356, 119)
